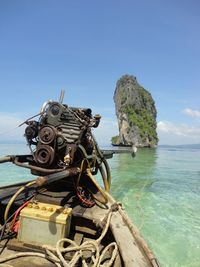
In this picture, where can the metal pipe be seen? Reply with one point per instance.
(32, 167)
(6, 159)
(42, 180)
(62, 94)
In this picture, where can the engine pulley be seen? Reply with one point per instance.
(31, 130)
(44, 154)
(47, 135)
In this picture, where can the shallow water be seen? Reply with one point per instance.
(160, 189)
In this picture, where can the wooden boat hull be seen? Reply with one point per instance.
(86, 222)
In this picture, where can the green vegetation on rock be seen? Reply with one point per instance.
(115, 140)
(145, 122)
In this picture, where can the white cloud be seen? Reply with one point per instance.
(191, 112)
(170, 133)
(9, 129)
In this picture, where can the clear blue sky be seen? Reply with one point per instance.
(85, 46)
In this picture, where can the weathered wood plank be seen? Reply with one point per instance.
(127, 244)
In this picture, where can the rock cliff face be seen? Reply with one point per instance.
(136, 114)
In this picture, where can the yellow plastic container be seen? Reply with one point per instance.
(43, 223)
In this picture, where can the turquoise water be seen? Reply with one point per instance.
(160, 189)
(10, 173)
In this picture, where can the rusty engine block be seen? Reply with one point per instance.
(54, 139)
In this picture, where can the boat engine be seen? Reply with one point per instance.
(62, 145)
(61, 136)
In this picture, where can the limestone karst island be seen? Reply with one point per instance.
(136, 114)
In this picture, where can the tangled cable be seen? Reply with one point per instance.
(57, 254)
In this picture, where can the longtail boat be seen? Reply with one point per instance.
(64, 217)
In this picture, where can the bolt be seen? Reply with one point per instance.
(65, 211)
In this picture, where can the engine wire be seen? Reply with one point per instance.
(13, 198)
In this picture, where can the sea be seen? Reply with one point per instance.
(159, 189)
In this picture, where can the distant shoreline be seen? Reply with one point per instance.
(21, 142)
(182, 146)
